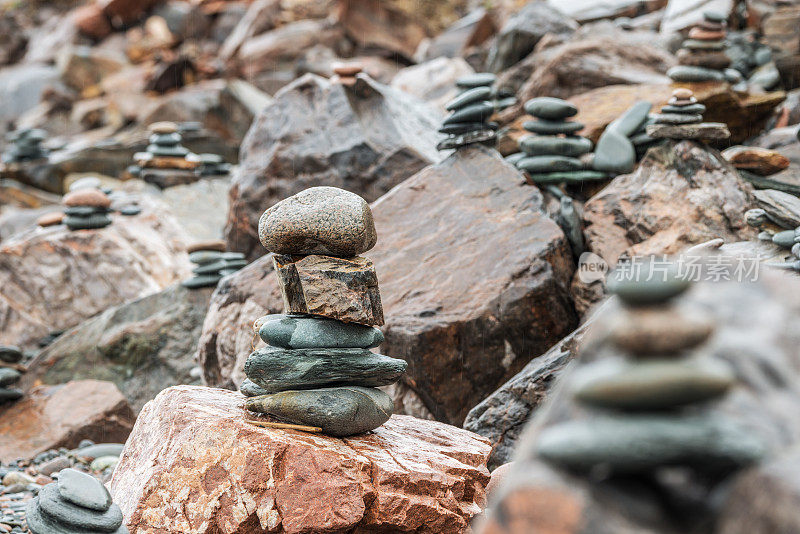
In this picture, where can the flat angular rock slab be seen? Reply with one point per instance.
(49, 417)
(489, 300)
(52, 279)
(345, 289)
(782, 208)
(194, 464)
(702, 131)
(142, 346)
(366, 143)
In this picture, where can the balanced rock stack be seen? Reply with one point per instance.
(26, 145)
(10, 358)
(213, 165)
(86, 208)
(346, 73)
(553, 154)
(76, 503)
(471, 109)
(786, 238)
(650, 389)
(317, 370)
(212, 263)
(165, 162)
(702, 57)
(682, 118)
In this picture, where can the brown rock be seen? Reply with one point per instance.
(374, 24)
(87, 197)
(490, 299)
(345, 289)
(194, 463)
(683, 93)
(761, 161)
(124, 12)
(347, 69)
(91, 21)
(49, 417)
(680, 195)
(52, 279)
(712, 60)
(50, 219)
(168, 162)
(703, 131)
(211, 244)
(705, 35)
(163, 127)
(659, 331)
(365, 143)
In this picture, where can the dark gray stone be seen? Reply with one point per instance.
(84, 490)
(473, 113)
(614, 153)
(574, 177)
(539, 145)
(100, 220)
(248, 388)
(479, 79)
(343, 411)
(632, 120)
(64, 512)
(7, 395)
(687, 73)
(10, 354)
(552, 127)
(469, 96)
(697, 109)
(545, 164)
(677, 118)
(549, 108)
(309, 332)
(8, 376)
(277, 369)
(459, 128)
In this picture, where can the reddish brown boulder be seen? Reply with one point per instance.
(473, 278)
(91, 21)
(374, 24)
(49, 417)
(52, 278)
(194, 463)
(124, 12)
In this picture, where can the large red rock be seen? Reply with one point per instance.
(375, 24)
(49, 417)
(52, 278)
(193, 464)
(473, 277)
(366, 139)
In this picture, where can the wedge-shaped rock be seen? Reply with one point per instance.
(276, 369)
(338, 288)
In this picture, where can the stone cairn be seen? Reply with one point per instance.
(702, 56)
(649, 389)
(26, 145)
(165, 161)
(317, 372)
(682, 118)
(468, 122)
(10, 358)
(212, 165)
(77, 502)
(785, 238)
(87, 208)
(553, 154)
(212, 263)
(346, 73)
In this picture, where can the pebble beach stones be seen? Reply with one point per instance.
(702, 57)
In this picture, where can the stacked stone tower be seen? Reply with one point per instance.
(317, 370)
(702, 57)
(682, 118)
(10, 358)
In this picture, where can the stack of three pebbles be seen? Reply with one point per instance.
(317, 370)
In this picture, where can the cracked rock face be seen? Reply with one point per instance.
(195, 465)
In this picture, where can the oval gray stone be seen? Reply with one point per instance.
(614, 153)
(549, 108)
(476, 94)
(83, 490)
(538, 164)
(783, 239)
(646, 283)
(473, 113)
(687, 73)
(308, 332)
(545, 127)
(540, 145)
(696, 108)
(10, 354)
(63, 512)
(8, 376)
(677, 118)
(319, 220)
(478, 79)
(339, 412)
(38, 523)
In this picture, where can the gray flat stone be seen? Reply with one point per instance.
(540, 145)
(479, 112)
(646, 283)
(614, 153)
(66, 513)
(677, 118)
(277, 369)
(549, 108)
(460, 128)
(695, 44)
(7, 394)
(688, 73)
(83, 490)
(782, 208)
(308, 332)
(699, 131)
(697, 109)
(470, 96)
(552, 127)
(10, 354)
(478, 79)
(199, 281)
(8, 376)
(630, 121)
(342, 411)
(248, 388)
(202, 257)
(543, 164)
(575, 177)
(92, 222)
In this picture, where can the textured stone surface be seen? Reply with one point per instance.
(337, 288)
(49, 417)
(142, 346)
(433, 81)
(366, 142)
(54, 278)
(761, 161)
(319, 220)
(466, 309)
(305, 332)
(194, 465)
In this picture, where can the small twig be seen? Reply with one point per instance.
(269, 424)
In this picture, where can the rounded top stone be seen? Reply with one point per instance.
(83, 490)
(549, 108)
(210, 244)
(714, 16)
(87, 197)
(319, 220)
(645, 283)
(347, 69)
(682, 93)
(164, 127)
(50, 219)
(87, 182)
(476, 80)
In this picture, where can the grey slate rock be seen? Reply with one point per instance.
(549, 108)
(459, 128)
(614, 153)
(470, 96)
(695, 108)
(552, 127)
(202, 257)
(473, 113)
(65, 513)
(248, 388)
(544, 164)
(83, 490)
(677, 118)
(8, 376)
(539, 145)
(479, 79)
(277, 369)
(309, 332)
(632, 120)
(342, 411)
(574, 177)
(687, 73)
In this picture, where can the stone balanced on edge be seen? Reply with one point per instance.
(76, 503)
(9, 359)
(682, 118)
(650, 389)
(317, 370)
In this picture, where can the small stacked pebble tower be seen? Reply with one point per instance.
(10, 358)
(213, 165)
(77, 502)
(26, 145)
(86, 209)
(682, 118)
(212, 263)
(702, 57)
(165, 153)
(649, 389)
(552, 154)
(468, 122)
(346, 73)
(317, 370)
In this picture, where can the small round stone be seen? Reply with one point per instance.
(66, 513)
(756, 217)
(646, 283)
(83, 490)
(347, 69)
(784, 239)
(50, 219)
(550, 108)
(682, 93)
(210, 244)
(476, 80)
(87, 197)
(164, 127)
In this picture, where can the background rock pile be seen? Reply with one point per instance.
(10, 357)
